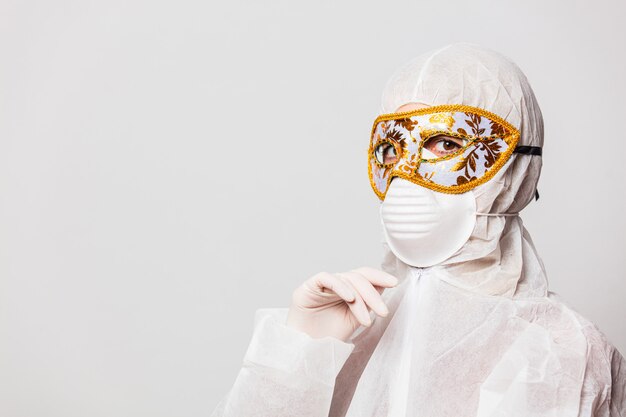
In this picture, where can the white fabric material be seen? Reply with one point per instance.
(424, 227)
(285, 372)
(479, 334)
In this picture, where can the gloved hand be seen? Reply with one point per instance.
(337, 304)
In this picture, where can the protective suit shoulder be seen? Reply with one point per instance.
(604, 384)
(603, 390)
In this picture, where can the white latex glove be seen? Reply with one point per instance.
(337, 304)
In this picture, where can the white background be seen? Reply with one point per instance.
(166, 168)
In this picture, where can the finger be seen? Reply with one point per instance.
(367, 291)
(325, 280)
(377, 277)
(358, 307)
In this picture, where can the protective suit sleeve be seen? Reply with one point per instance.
(285, 372)
(604, 386)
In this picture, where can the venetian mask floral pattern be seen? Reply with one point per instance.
(489, 143)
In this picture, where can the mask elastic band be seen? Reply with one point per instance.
(528, 150)
(498, 214)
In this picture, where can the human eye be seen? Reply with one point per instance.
(385, 153)
(442, 145)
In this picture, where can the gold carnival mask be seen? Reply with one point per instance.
(449, 148)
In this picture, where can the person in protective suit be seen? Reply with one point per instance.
(459, 321)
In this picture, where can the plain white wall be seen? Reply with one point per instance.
(166, 168)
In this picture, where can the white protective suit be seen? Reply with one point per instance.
(478, 334)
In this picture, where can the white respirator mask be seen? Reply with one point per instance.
(424, 227)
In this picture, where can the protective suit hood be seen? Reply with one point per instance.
(498, 258)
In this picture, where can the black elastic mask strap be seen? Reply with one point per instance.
(529, 150)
